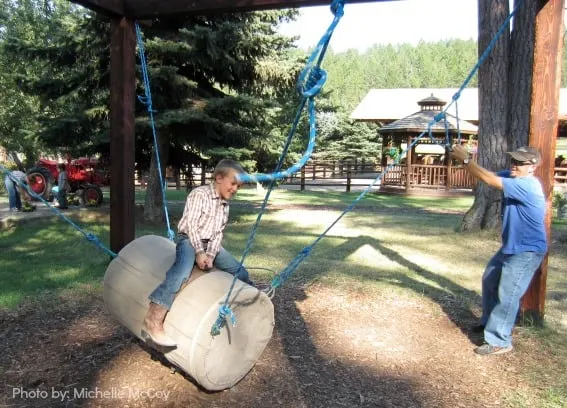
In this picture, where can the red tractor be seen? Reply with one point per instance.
(84, 175)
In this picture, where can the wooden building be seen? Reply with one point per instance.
(427, 163)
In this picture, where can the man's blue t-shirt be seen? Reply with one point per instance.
(523, 227)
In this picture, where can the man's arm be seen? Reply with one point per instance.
(460, 153)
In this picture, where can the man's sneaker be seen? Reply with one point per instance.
(488, 349)
(479, 328)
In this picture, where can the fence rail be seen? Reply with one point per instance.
(348, 173)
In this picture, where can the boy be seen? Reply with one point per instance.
(200, 233)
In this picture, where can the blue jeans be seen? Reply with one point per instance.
(181, 269)
(62, 198)
(13, 194)
(505, 280)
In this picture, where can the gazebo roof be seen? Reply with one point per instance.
(418, 122)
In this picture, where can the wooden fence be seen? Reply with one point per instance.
(349, 173)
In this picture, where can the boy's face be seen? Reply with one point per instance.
(228, 185)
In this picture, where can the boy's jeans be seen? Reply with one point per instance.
(13, 196)
(505, 280)
(181, 269)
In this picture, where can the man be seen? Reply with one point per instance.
(524, 244)
(13, 189)
(63, 187)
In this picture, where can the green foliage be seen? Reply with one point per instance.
(342, 138)
(426, 65)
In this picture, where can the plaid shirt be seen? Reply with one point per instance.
(204, 218)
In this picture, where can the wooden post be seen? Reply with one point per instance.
(348, 179)
(302, 181)
(203, 174)
(448, 167)
(544, 110)
(177, 175)
(408, 164)
(122, 97)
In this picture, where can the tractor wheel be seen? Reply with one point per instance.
(40, 181)
(92, 195)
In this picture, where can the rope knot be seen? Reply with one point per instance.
(224, 311)
(439, 117)
(337, 7)
(306, 251)
(171, 234)
(91, 237)
(312, 81)
(457, 95)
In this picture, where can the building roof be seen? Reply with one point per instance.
(419, 122)
(387, 105)
(424, 120)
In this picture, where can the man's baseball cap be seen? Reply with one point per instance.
(526, 154)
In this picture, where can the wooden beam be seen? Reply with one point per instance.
(111, 8)
(152, 8)
(544, 110)
(122, 99)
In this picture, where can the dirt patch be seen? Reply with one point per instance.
(329, 348)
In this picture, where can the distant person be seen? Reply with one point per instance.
(200, 234)
(63, 187)
(524, 244)
(13, 189)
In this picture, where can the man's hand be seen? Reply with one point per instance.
(459, 152)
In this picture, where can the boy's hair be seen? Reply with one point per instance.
(61, 166)
(224, 167)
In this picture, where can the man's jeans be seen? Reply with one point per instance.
(13, 194)
(505, 280)
(62, 198)
(180, 271)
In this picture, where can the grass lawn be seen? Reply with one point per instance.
(395, 245)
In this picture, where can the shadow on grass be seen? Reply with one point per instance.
(456, 301)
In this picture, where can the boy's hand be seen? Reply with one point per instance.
(210, 260)
(202, 261)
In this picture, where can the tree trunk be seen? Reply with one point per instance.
(153, 206)
(521, 71)
(17, 160)
(493, 114)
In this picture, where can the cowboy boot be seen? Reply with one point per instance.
(153, 326)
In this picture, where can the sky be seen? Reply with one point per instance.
(388, 22)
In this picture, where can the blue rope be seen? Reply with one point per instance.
(305, 252)
(309, 85)
(147, 100)
(88, 235)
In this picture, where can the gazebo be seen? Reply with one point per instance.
(428, 163)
